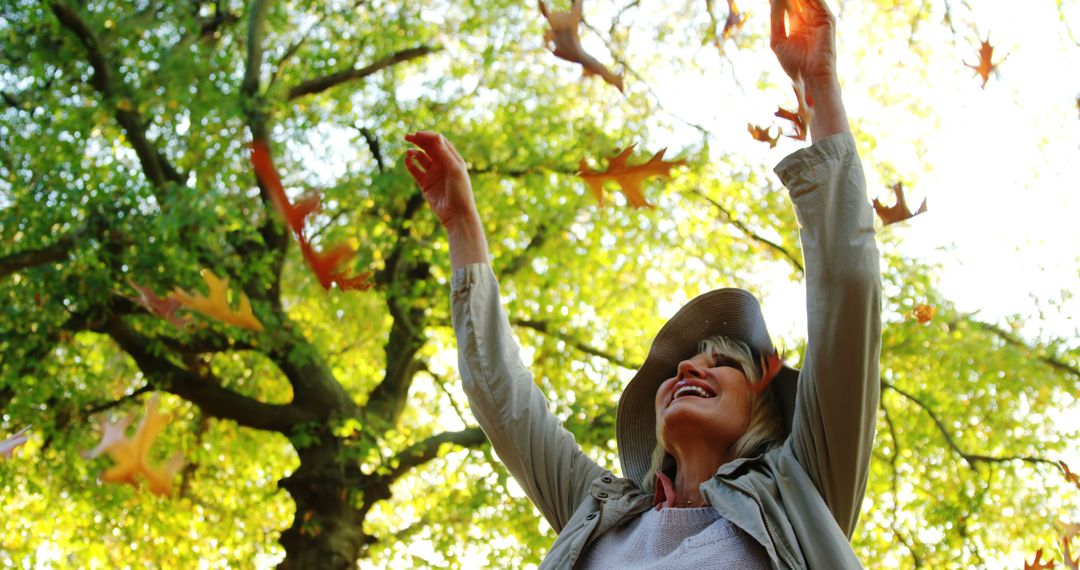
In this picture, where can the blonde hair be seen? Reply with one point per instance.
(766, 428)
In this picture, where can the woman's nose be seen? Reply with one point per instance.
(687, 368)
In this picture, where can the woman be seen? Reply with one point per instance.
(729, 462)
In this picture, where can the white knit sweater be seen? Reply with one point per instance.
(676, 539)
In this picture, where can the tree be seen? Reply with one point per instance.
(338, 433)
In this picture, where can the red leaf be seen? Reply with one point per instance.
(263, 164)
(734, 22)
(327, 267)
(897, 212)
(771, 366)
(923, 313)
(563, 36)
(1070, 477)
(986, 64)
(799, 118)
(760, 134)
(629, 178)
(1037, 565)
(162, 307)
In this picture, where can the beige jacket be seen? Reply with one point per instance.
(800, 500)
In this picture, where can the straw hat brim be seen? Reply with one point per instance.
(730, 312)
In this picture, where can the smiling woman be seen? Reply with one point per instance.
(729, 459)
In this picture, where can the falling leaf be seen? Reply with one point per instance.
(7, 446)
(734, 22)
(629, 178)
(897, 212)
(763, 135)
(800, 118)
(327, 267)
(130, 455)
(1070, 477)
(923, 313)
(263, 164)
(1071, 530)
(566, 44)
(163, 307)
(985, 65)
(216, 305)
(1036, 564)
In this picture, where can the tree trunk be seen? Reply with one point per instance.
(327, 531)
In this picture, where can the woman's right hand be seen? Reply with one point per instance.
(443, 178)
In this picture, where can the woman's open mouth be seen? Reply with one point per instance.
(691, 389)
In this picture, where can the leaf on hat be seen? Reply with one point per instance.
(565, 43)
(899, 211)
(770, 365)
(629, 178)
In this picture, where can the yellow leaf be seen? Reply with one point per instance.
(216, 306)
(629, 178)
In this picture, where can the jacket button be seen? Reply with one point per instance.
(606, 479)
(590, 517)
(602, 495)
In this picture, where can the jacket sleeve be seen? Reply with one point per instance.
(541, 455)
(838, 388)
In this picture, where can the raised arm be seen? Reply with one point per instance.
(541, 455)
(836, 408)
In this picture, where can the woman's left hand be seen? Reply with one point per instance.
(805, 44)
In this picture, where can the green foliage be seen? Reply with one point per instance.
(587, 287)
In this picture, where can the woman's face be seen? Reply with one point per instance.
(705, 399)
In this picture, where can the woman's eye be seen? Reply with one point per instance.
(722, 361)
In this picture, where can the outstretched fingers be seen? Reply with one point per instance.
(436, 146)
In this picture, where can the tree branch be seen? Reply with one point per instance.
(970, 458)
(154, 165)
(1009, 338)
(544, 328)
(421, 452)
(202, 391)
(58, 251)
(751, 233)
(320, 84)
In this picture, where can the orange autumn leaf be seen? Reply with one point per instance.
(770, 365)
(899, 211)
(923, 313)
(760, 134)
(799, 118)
(164, 307)
(216, 305)
(327, 267)
(986, 64)
(1070, 477)
(1071, 530)
(629, 178)
(263, 164)
(1037, 564)
(7, 446)
(562, 36)
(130, 455)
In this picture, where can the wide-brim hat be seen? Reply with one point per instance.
(729, 312)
